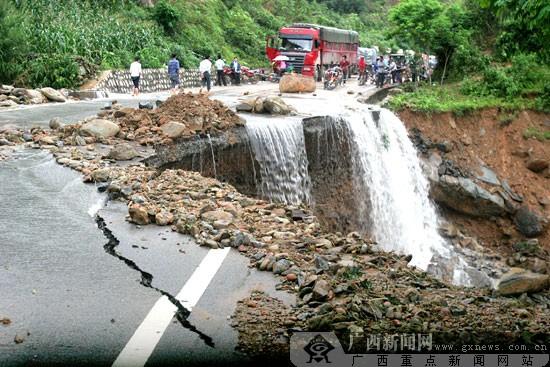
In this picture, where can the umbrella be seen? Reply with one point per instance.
(281, 58)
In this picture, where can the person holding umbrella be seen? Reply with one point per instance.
(280, 64)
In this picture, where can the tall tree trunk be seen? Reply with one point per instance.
(447, 56)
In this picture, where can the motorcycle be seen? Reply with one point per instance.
(333, 78)
(247, 75)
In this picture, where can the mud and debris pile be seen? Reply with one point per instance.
(182, 115)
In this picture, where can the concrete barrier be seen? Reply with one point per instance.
(152, 80)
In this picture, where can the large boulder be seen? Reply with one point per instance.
(100, 128)
(529, 223)
(173, 129)
(297, 83)
(518, 281)
(123, 152)
(466, 197)
(33, 96)
(8, 103)
(276, 106)
(53, 95)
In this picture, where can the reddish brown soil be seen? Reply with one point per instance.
(496, 139)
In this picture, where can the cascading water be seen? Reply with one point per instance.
(385, 163)
(399, 212)
(278, 147)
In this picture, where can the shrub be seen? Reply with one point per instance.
(542, 102)
(167, 16)
(56, 71)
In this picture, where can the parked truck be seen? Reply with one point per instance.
(312, 48)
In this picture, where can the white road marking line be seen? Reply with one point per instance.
(142, 344)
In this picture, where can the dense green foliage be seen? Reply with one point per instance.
(111, 33)
(489, 51)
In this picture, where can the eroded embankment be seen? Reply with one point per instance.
(499, 162)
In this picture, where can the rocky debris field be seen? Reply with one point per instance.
(11, 96)
(341, 281)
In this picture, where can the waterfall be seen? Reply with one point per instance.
(386, 165)
(279, 148)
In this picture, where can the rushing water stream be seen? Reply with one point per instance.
(386, 165)
(278, 146)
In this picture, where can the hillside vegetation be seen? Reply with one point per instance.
(48, 40)
(490, 52)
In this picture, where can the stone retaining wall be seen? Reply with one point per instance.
(152, 80)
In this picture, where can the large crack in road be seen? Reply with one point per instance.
(182, 313)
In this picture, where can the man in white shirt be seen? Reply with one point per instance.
(220, 64)
(135, 74)
(205, 68)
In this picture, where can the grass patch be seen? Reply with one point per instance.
(448, 98)
(536, 133)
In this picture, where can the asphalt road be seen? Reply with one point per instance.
(77, 296)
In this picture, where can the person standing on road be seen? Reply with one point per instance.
(135, 74)
(236, 69)
(174, 74)
(220, 64)
(393, 69)
(362, 68)
(205, 68)
(380, 72)
(344, 65)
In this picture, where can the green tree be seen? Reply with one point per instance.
(525, 26)
(432, 27)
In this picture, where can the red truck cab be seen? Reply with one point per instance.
(311, 48)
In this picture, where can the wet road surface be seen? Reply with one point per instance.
(77, 298)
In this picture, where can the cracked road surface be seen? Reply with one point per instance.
(78, 297)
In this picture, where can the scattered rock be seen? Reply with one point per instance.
(464, 196)
(101, 175)
(100, 128)
(173, 129)
(164, 218)
(276, 106)
(529, 223)
(55, 123)
(138, 214)
(216, 215)
(518, 281)
(53, 95)
(537, 165)
(19, 339)
(321, 290)
(123, 152)
(281, 266)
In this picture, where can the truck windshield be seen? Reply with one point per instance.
(296, 44)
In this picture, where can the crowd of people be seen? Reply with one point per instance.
(205, 70)
(392, 69)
